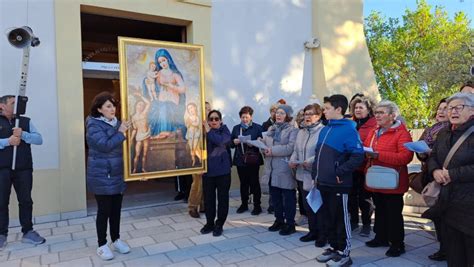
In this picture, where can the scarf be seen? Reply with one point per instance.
(361, 122)
(113, 122)
(276, 130)
(245, 126)
(433, 131)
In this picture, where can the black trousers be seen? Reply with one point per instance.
(359, 198)
(183, 184)
(302, 200)
(440, 232)
(284, 202)
(108, 210)
(210, 185)
(249, 183)
(337, 220)
(459, 246)
(388, 225)
(22, 181)
(316, 221)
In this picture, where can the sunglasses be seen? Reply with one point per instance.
(214, 119)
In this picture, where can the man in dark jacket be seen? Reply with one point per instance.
(22, 177)
(340, 144)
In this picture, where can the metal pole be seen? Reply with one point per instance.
(21, 92)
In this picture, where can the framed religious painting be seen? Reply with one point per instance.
(162, 96)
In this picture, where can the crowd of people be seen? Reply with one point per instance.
(351, 154)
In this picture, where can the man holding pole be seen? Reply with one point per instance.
(22, 176)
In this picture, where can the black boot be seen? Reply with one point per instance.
(276, 226)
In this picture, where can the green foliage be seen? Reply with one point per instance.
(421, 60)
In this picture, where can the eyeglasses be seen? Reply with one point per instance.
(458, 108)
(379, 113)
(214, 119)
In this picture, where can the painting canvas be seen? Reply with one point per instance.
(162, 95)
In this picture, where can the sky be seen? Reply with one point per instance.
(396, 8)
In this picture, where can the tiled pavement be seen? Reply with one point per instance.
(167, 236)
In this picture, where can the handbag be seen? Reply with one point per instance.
(416, 181)
(431, 192)
(250, 157)
(380, 177)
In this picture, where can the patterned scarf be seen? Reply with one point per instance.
(276, 130)
(433, 131)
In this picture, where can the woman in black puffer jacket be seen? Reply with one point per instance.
(456, 201)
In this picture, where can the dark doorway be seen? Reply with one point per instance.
(99, 44)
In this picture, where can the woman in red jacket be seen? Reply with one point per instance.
(387, 143)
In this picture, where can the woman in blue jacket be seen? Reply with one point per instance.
(248, 160)
(217, 177)
(105, 134)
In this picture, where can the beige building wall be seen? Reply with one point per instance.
(342, 63)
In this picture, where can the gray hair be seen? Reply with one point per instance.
(390, 106)
(468, 98)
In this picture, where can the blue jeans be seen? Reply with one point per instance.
(284, 202)
(22, 181)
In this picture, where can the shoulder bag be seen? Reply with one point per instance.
(380, 177)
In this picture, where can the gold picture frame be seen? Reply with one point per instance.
(162, 95)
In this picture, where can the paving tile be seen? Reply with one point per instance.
(183, 243)
(175, 235)
(188, 263)
(84, 234)
(49, 258)
(166, 220)
(77, 253)
(28, 252)
(309, 251)
(294, 256)
(17, 245)
(208, 238)
(187, 225)
(150, 231)
(155, 260)
(76, 244)
(68, 229)
(83, 262)
(269, 260)
(228, 257)
(415, 240)
(41, 226)
(141, 241)
(208, 261)
(239, 231)
(147, 224)
(87, 219)
(396, 262)
(30, 261)
(191, 252)
(160, 248)
(267, 236)
(250, 252)
(360, 256)
(135, 253)
(13, 263)
(234, 243)
(269, 248)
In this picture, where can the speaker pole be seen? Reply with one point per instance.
(21, 93)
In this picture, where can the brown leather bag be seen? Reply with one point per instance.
(416, 181)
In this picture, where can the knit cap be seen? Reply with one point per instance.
(288, 110)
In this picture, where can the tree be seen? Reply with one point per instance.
(421, 60)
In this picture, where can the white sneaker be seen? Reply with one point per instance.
(302, 220)
(121, 246)
(105, 253)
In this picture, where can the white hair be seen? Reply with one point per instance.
(390, 106)
(468, 98)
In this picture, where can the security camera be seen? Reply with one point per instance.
(312, 43)
(22, 37)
